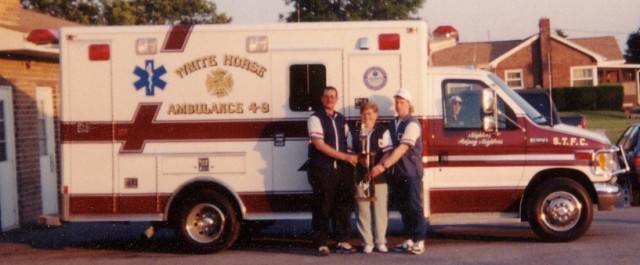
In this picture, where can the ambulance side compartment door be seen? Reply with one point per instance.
(87, 150)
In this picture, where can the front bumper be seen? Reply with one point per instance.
(608, 195)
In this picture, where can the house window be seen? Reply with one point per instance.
(582, 76)
(306, 84)
(514, 78)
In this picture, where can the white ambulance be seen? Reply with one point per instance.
(204, 128)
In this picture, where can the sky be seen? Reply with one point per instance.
(489, 20)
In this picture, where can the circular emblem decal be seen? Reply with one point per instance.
(375, 78)
(219, 83)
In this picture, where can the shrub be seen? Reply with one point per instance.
(605, 97)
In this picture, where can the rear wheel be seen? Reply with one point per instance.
(560, 210)
(207, 222)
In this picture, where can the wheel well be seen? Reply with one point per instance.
(194, 188)
(546, 175)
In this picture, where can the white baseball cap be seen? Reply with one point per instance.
(403, 93)
(455, 99)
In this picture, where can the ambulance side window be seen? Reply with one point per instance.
(462, 105)
(306, 83)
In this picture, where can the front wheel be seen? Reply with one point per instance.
(207, 222)
(560, 210)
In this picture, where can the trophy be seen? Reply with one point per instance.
(365, 188)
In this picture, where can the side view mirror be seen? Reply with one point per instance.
(488, 101)
(489, 109)
(489, 124)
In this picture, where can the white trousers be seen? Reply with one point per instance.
(373, 217)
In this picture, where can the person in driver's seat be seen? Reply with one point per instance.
(453, 112)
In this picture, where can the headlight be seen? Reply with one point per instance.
(606, 162)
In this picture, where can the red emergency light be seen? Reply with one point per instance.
(99, 52)
(389, 41)
(43, 36)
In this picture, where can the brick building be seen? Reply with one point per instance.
(29, 93)
(543, 60)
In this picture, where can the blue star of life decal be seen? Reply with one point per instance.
(149, 77)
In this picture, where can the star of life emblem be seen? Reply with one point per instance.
(149, 77)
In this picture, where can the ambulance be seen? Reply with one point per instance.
(204, 128)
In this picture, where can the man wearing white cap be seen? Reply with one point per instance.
(404, 165)
(453, 115)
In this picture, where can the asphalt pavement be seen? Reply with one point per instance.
(612, 239)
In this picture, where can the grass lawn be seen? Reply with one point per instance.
(612, 123)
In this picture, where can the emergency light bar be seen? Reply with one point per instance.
(43, 36)
(389, 41)
(146, 46)
(99, 52)
(257, 44)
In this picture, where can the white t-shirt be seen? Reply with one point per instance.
(411, 133)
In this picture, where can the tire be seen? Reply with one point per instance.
(560, 210)
(207, 223)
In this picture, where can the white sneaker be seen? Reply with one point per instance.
(406, 246)
(367, 249)
(382, 248)
(345, 248)
(418, 248)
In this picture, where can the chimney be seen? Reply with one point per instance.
(545, 52)
(10, 13)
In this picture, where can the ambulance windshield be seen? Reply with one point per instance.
(531, 112)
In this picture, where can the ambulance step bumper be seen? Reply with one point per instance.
(608, 195)
(49, 220)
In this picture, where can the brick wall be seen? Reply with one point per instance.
(563, 57)
(24, 75)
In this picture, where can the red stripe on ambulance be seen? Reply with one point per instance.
(145, 128)
(177, 38)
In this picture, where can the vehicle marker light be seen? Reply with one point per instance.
(146, 46)
(43, 36)
(584, 155)
(636, 161)
(389, 41)
(99, 52)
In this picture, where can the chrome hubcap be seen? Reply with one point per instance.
(561, 211)
(205, 223)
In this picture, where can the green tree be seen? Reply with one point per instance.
(344, 10)
(131, 12)
(632, 54)
(85, 12)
